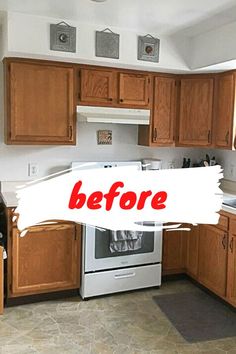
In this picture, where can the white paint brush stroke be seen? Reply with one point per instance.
(194, 197)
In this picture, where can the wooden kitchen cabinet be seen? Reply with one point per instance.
(134, 90)
(224, 111)
(174, 252)
(212, 269)
(192, 251)
(98, 87)
(46, 259)
(39, 103)
(164, 103)
(231, 274)
(196, 111)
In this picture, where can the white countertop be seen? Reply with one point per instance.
(8, 192)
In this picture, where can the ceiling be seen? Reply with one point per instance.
(157, 16)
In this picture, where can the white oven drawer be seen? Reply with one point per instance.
(112, 281)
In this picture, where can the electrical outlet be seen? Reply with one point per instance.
(33, 169)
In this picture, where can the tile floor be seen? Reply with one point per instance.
(127, 323)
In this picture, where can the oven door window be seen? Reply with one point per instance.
(104, 238)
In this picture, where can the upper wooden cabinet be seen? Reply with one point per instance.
(164, 102)
(196, 111)
(104, 87)
(39, 103)
(224, 111)
(134, 89)
(98, 86)
(46, 259)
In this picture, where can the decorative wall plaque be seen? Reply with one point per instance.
(148, 48)
(62, 37)
(107, 44)
(104, 137)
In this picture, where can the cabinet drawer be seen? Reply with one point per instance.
(114, 281)
(232, 226)
(223, 223)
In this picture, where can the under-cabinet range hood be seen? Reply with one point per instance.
(93, 114)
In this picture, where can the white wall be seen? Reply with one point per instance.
(213, 47)
(26, 35)
(30, 36)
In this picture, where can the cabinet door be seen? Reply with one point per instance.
(231, 280)
(134, 90)
(213, 258)
(196, 109)
(192, 251)
(174, 252)
(98, 87)
(46, 259)
(40, 104)
(224, 112)
(163, 111)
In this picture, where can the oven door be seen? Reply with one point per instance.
(97, 254)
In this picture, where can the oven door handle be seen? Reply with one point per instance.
(124, 275)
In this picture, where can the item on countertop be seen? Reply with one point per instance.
(186, 163)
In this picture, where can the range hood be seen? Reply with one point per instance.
(93, 114)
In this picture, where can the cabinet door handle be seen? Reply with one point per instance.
(155, 134)
(71, 132)
(231, 244)
(110, 99)
(224, 241)
(121, 100)
(209, 136)
(227, 137)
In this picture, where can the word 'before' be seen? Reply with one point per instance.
(127, 200)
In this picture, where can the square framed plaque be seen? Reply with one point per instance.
(107, 44)
(62, 37)
(148, 48)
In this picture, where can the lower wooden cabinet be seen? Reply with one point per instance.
(46, 259)
(192, 251)
(174, 252)
(231, 278)
(213, 250)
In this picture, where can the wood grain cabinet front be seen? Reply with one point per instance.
(39, 103)
(224, 111)
(196, 111)
(98, 87)
(46, 259)
(174, 252)
(164, 103)
(134, 90)
(213, 249)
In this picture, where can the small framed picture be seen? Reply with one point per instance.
(62, 37)
(104, 137)
(148, 48)
(107, 44)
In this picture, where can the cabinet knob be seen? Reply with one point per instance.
(121, 100)
(110, 99)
